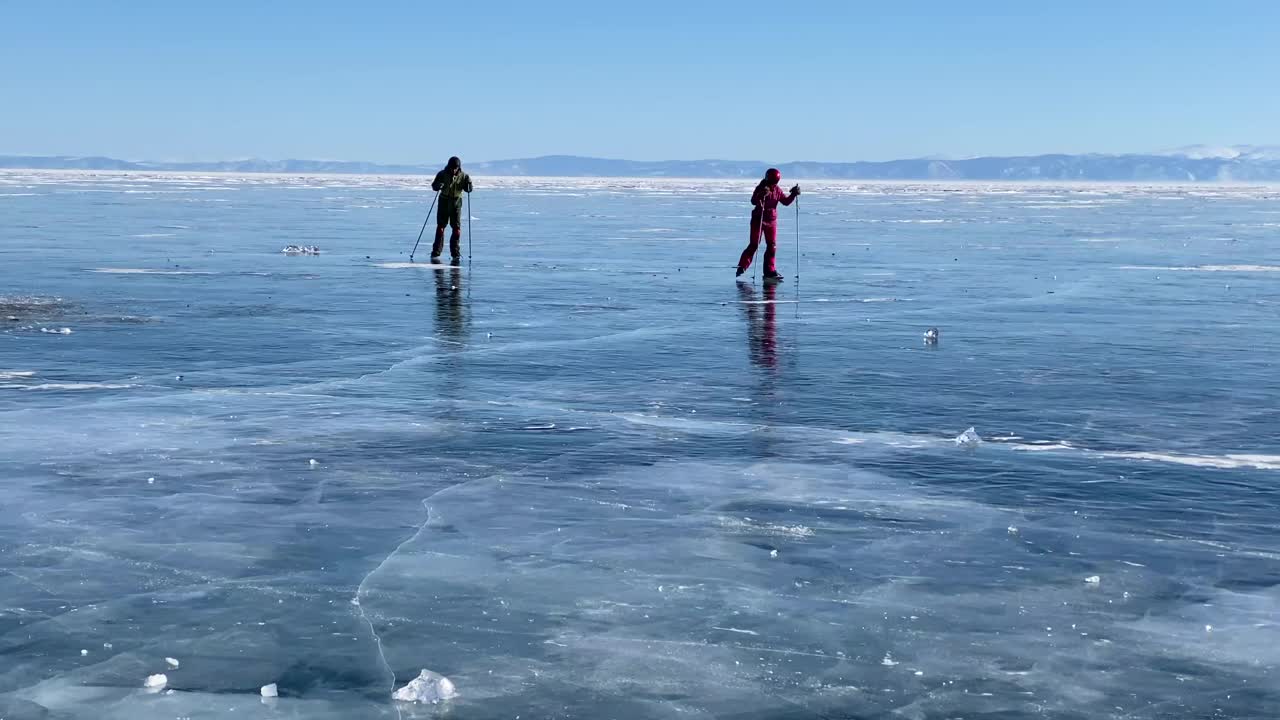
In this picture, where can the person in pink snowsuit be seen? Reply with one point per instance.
(764, 217)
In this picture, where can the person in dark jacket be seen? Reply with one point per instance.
(451, 183)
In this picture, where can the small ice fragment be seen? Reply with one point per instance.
(151, 481)
(1093, 579)
(969, 438)
(84, 653)
(1013, 530)
(428, 687)
(888, 660)
(270, 690)
(773, 553)
(1208, 628)
(931, 336)
(156, 682)
(107, 645)
(179, 378)
(172, 662)
(919, 673)
(313, 462)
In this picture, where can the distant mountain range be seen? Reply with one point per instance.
(1243, 163)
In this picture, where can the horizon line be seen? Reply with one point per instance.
(1173, 152)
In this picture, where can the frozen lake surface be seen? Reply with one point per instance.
(590, 476)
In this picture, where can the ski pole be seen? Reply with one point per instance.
(797, 239)
(468, 228)
(755, 240)
(424, 226)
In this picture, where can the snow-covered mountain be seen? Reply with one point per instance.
(1240, 163)
(1258, 153)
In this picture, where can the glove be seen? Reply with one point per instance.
(795, 191)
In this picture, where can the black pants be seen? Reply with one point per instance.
(450, 213)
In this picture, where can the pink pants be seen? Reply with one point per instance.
(770, 230)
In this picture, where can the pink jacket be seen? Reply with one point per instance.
(768, 198)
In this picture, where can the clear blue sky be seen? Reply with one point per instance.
(490, 79)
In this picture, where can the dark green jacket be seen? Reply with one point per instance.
(451, 186)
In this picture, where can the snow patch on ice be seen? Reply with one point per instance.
(16, 374)
(1222, 462)
(156, 683)
(1205, 268)
(402, 265)
(79, 386)
(752, 526)
(740, 631)
(147, 271)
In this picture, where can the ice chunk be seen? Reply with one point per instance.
(888, 660)
(270, 691)
(1093, 579)
(156, 683)
(969, 438)
(84, 653)
(301, 250)
(173, 663)
(428, 687)
(313, 462)
(1013, 530)
(773, 553)
(55, 331)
